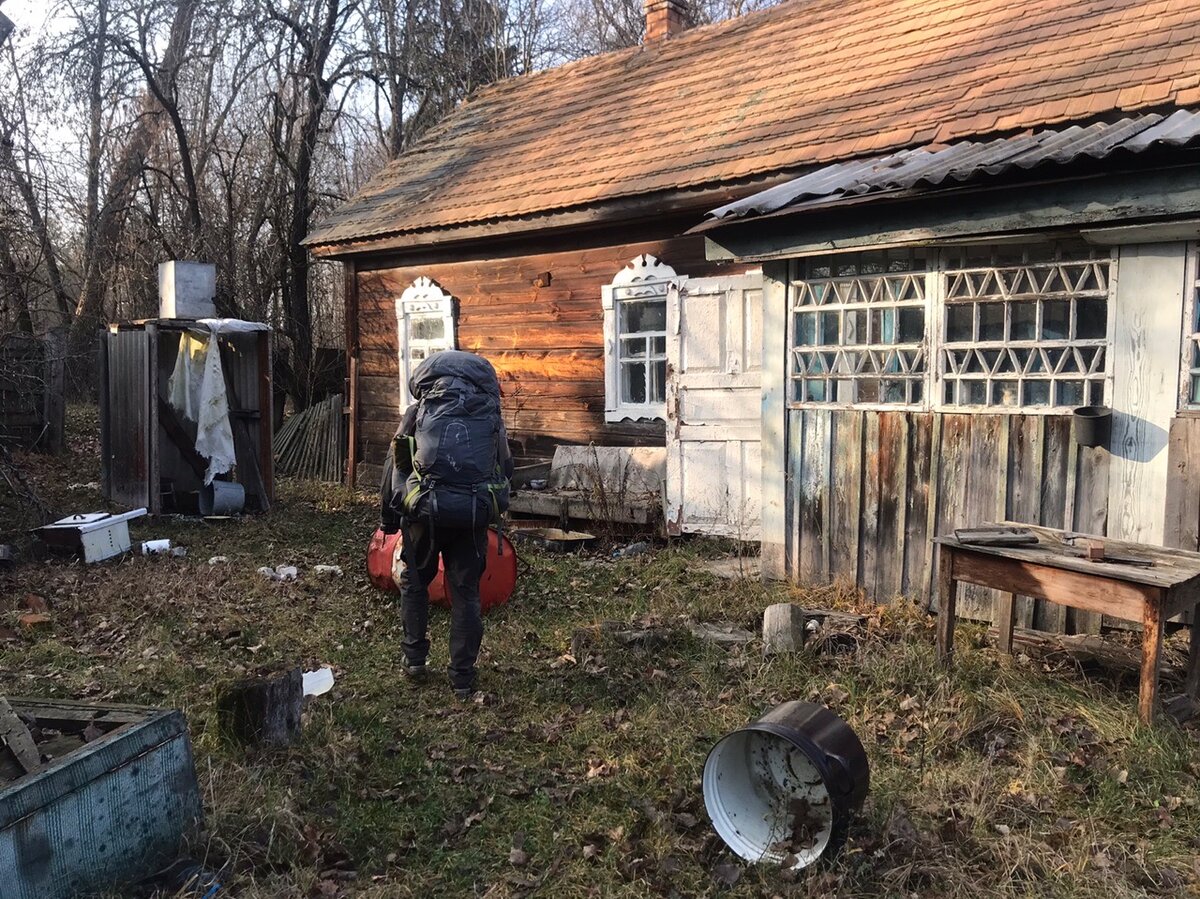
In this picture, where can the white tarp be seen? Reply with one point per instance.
(196, 390)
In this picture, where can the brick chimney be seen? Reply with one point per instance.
(665, 18)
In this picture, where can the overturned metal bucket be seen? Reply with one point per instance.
(784, 788)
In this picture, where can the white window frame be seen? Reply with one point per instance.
(938, 342)
(646, 277)
(795, 308)
(937, 272)
(1190, 338)
(423, 299)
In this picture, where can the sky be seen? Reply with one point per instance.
(27, 13)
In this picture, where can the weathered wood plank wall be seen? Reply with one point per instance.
(870, 489)
(547, 343)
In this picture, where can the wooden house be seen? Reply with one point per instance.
(930, 165)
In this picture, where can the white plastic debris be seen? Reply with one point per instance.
(332, 570)
(317, 682)
(220, 560)
(280, 573)
(90, 485)
(154, 547)
(178, 552)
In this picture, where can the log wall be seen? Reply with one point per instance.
(547, 343)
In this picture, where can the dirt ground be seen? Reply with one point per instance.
(576, 773)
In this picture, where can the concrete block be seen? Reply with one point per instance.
(783, 628)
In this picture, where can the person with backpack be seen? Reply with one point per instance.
(445, 479)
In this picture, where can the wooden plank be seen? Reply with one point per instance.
(1145, 363)
(1025, 486)
(1091, 515)
(916, 519)
(933, 510)
(813, 497)
(796, 422)
(1106, 595)
(1192, 685)
(1058, 448)
(952, 473)
(868, 549)
(15, 735)
(846, 494)
(1152, 638)
(1005, 612)
(947, 590)
(1181, 526)
(984, 492)
(893, 505)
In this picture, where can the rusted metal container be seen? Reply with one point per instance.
(110, 812)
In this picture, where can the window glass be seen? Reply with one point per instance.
(858, 329)
(1024, 327)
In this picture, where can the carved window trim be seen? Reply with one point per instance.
(424, 301)
(645, 278)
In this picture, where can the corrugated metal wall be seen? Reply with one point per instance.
(868, 490)
(127, 458)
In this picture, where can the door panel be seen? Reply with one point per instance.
(714, 401)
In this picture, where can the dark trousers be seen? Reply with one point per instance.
(463, 551)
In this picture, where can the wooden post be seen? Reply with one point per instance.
(54, 402)
(263, 710)
(1192, 685)
(1005, 613)
(947, 598)
(1152, 637)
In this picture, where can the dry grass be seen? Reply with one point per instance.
(1003, 779)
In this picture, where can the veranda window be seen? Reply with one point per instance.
(858, 330)
(1021, 328)
(1016, 327)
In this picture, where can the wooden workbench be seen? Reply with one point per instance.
(1050, 570)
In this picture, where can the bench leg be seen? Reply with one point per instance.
(1152, 637)
(947, 597)
(1192, 685)
(1005, 614)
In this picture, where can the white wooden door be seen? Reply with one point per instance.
(714, 402)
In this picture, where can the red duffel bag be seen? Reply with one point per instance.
(495, 587)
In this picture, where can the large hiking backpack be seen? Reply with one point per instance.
(456, 478)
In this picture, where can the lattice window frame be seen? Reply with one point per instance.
(644, 278)
(858, 364)
(1189, 375)
(994, 289)
(423, 299)
(941, 268)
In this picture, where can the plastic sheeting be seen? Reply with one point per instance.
(196, 390)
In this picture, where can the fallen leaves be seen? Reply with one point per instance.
(34, 620)
(601, 768)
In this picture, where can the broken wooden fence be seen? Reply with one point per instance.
(311, 445)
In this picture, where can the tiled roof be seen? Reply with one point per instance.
(804, 83)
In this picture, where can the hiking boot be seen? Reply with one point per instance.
(417, 673)
(464, 694)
